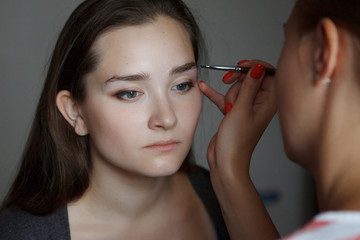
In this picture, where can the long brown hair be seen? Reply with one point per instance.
(55, 165)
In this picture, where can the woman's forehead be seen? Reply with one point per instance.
(161, 46)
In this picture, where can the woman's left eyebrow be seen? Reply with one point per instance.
(183, 68)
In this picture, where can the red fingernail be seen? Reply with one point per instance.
(228, 108)
(242, 61)
(202, 85)
(257, 71)
(227, 76)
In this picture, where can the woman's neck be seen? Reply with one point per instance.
(117, 193)
(338, 162)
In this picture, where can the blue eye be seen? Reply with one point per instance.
(183, 87)
(127, 95)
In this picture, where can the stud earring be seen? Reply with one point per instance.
(327, 80)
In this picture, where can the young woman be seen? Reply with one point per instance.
(318, 92)
(109, 150)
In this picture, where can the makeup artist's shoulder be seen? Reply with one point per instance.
(16, 224)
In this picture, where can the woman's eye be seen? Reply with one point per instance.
(127, 95)
(183, 87)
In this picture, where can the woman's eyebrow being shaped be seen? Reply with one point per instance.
(143, 76)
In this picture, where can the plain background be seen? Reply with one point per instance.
(233, 29)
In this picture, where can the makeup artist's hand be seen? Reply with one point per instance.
(249, 105)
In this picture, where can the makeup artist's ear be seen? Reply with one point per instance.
(326, 50)
(71, 112)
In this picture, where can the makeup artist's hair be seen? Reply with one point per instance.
(345, 13)
(55, 166)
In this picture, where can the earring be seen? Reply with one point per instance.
(327, 80)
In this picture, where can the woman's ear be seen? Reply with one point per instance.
(326, 50)
(71, 112)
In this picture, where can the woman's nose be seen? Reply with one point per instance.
(162, 115)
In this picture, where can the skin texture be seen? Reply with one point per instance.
(141, 110)
(317, 93)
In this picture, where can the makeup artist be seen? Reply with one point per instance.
(317, 91)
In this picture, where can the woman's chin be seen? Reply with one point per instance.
(164, 169)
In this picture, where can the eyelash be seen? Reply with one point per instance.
(126, 94)
(188, 86)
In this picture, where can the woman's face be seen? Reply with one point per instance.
(142, 102)
(296, 96)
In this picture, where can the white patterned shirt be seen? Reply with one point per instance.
(339, 225)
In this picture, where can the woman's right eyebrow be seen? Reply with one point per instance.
(133, 77)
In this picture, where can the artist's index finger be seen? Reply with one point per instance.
(217, 98)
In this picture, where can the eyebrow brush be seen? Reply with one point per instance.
(269, 71)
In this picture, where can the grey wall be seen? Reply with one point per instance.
(234, 30)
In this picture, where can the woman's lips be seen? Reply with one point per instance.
(163, 146)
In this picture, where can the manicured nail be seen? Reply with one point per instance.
(257, 71)
(228, 108)
(202, 85)
(242, 61)
(227, 76)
